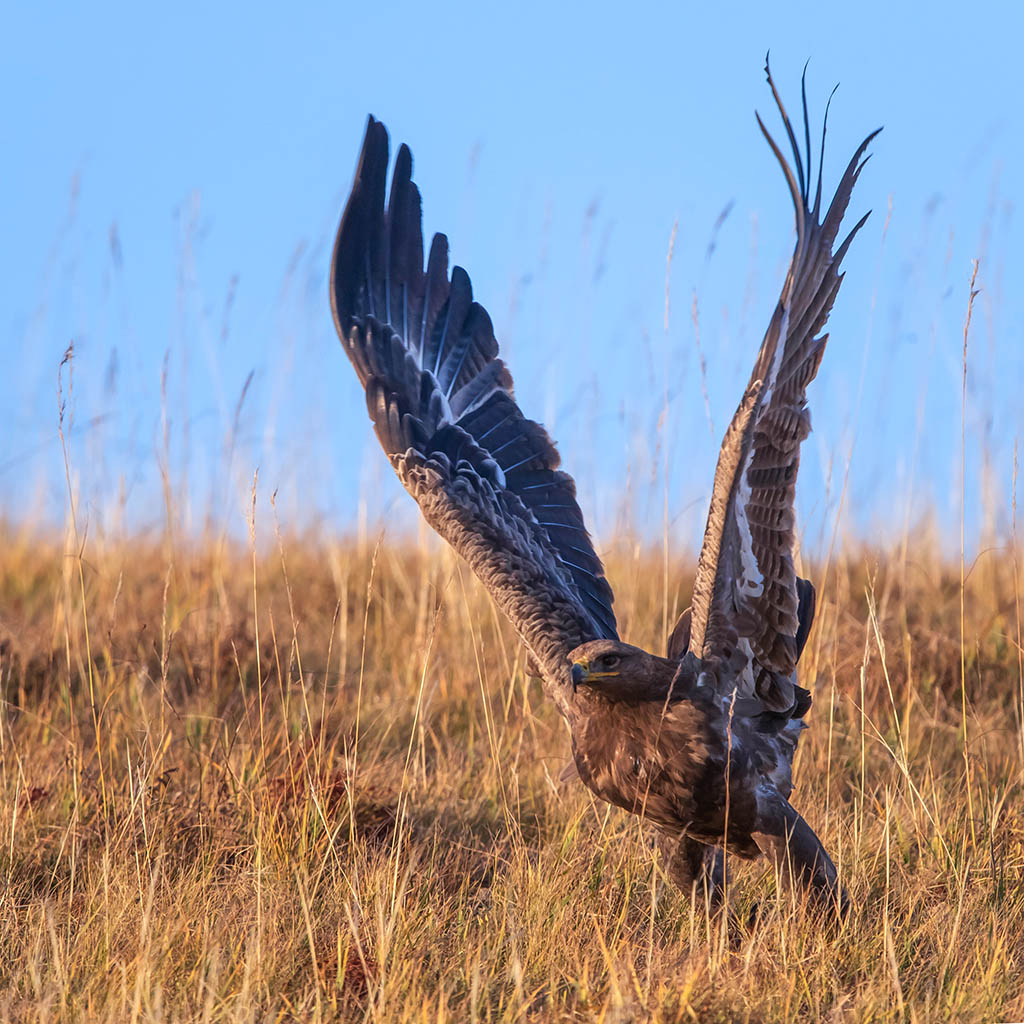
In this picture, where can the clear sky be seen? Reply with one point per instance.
(173, 176)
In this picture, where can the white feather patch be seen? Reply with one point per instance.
(751, 582)
(773, 373)
(745, 683)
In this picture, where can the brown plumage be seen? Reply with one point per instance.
(699, 743)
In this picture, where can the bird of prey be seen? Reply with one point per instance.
(700, 743)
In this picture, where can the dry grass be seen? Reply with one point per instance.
(317, 784)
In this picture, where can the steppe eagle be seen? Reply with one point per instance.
(699, 742)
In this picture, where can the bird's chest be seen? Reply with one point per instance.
(644, 766)
(614, 768)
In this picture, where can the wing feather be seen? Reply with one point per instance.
(750, 612)
(442, 405)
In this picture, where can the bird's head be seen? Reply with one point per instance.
(621, 672)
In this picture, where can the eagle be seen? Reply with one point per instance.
(700, 742)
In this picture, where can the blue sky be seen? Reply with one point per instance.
(174, 177)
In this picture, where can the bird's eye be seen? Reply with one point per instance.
(609, 661)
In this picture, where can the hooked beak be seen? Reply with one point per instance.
(580, 670)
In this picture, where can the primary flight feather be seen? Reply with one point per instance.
(700, 743)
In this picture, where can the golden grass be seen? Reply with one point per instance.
(317, 784)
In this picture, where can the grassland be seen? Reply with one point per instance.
(314, 782)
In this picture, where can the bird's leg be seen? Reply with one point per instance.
(694, 867)
(797, 853)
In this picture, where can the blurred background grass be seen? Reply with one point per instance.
(315, 782)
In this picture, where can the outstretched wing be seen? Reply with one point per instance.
(485, 477)
(746, 602)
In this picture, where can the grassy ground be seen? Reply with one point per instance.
(317, 783)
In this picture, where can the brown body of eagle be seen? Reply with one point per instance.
(699, 743)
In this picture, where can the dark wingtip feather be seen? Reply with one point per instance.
(807, 130)
(358, 237)
(837, 258)
(799, 186)
(821, 153)
(405, 251)
(837, 208)
(789, 129)
(794, 187)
